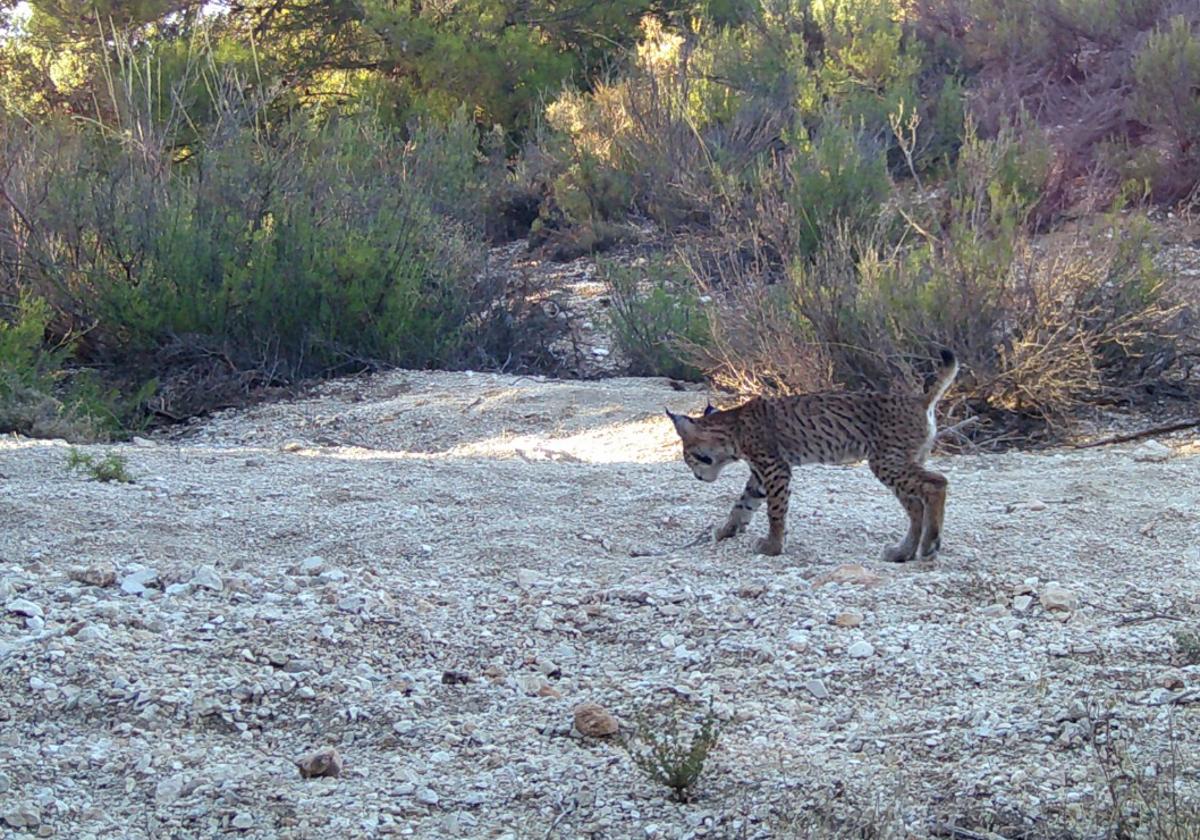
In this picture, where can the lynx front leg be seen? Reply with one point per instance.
(750, 501)
(776, 481)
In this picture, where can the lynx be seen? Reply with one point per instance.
(893, 432)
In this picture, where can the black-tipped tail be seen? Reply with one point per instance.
(946, 374)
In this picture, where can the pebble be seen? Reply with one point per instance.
(1152, 452)
(850, 573)
(1056, 598)
(23, 815)
(22, 606)
(323, 762)
(1022, 602)
(137, 583)
(594, 721)
(312, 565)
(861, 650)
(207, 577)
(169, 790)
(93, 633)
(817, 688)
(98, 574)
(427, 796)
(243, 821)
(543, 622)
(849, 618)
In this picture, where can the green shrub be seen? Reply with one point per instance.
(669, 757)
(836, 179)
(655, 313)
(1166, 77)
(112, 467)
(41, 395)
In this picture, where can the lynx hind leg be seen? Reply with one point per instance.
(934, 485)
(923, 495)
(750, 501)
(906, 549)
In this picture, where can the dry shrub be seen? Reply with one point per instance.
(1087, 327)
(757, 343)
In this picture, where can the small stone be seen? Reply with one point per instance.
(22, 606)
(797, 640)
(594, 721)
(547, 690)
(23, 815)
(1152, 452)
(543, 622)
(207, 577)
(320, 763)
(849, 618)
(137, 582)
(1056, 598)
(861, 650)
(850, 573)
(98, 574)
(5, 783)
(169, 789)
(528, 578)
(1036, 505)
(427, 796)
(332, 576)
(352, 603)
(1022, 602)
(175, 590)
(1171, 680)
(994, 610)
(817, 688)
(531, 684)
(312, 565)
(93, 633)
(243, 821)
(292, 446)
(144, 443)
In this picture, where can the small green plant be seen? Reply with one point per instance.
(1187, 642)
(655, 313)
(112, 467)
(670, 757)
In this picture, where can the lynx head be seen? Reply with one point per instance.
(707, 446)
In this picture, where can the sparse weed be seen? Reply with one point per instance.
(1187, 642)
(112, 467)
(1144, 799)
(670, 757)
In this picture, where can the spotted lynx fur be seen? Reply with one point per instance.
(893, 432)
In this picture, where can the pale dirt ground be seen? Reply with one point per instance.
(484, 524)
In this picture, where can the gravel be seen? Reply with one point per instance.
(430, 574)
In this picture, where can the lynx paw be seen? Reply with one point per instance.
(768, 546)
(898, 554)
(729, 529)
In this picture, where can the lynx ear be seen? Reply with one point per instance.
(684, 425)
(709, 409)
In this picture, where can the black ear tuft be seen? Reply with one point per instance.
(947, 357)
(708, 409)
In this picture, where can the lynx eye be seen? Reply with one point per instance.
(704, 459)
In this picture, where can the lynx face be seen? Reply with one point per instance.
(705, 454)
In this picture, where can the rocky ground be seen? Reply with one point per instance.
(431, 572)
